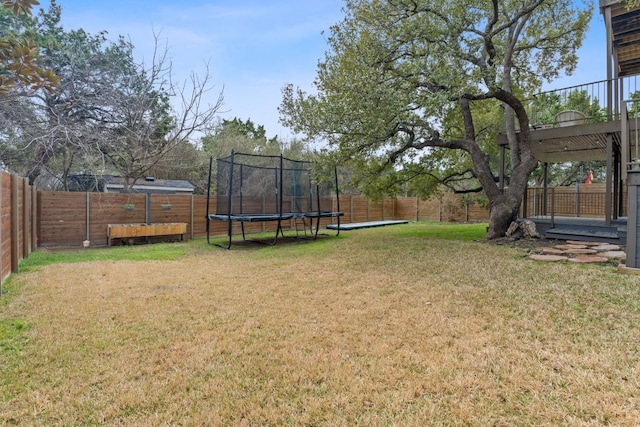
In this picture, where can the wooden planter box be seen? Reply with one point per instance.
(125, 231)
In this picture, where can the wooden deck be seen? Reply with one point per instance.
(581, 228)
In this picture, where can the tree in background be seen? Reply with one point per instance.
(547, 105)
(244, 137)
(398, 69)
(238, 135)
(147, 126)
(20, 70)
(50, 129)
(110, 114)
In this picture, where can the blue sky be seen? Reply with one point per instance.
(253, 47)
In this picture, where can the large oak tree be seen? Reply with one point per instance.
(399, 72)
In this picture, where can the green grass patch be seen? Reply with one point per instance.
(439, 230)
(421, 230)
(12, 337)
(13, 333)
(158, 251)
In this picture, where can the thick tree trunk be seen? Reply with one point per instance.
(505, 205)
(502, 214)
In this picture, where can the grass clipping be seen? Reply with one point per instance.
(381, 327)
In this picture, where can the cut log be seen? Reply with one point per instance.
(526, 228)
(529, 229)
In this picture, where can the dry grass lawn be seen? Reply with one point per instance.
(380, 327)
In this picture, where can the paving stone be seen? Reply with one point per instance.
(621, 255)
(607, 248)
(588, 259)
(552, 251)
(581, 251)
(567, 247)
(576, 242)
(548, 258)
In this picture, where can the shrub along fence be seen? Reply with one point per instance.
(18, 204)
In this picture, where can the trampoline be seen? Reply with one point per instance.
(253, 188)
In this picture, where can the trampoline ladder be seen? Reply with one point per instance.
(301, 227)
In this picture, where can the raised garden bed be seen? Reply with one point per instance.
(129, 231)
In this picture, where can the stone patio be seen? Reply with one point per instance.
(580, 252)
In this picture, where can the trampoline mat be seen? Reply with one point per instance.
(251, 217)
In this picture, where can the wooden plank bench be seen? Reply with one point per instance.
(124, 231)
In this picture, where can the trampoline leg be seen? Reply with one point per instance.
(228, 246)
(230, 233)
(278, 230)
(317, 228)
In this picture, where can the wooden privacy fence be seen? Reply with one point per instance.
(18, 230)
(68, 219)
(63, 219)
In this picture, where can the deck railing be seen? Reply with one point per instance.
(580, 201)
(586, 103)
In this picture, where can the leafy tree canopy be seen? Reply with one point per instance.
(405, 79)
(238, 135)
(19, 61)
(109, 114)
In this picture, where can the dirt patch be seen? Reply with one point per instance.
(528, 243)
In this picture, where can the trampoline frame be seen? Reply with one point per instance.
(230, 217)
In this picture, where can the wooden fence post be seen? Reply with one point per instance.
(466, 210)
(147, 208)
(15, 226)
(393, 208)
(34, 218)
(26, 222)
(88, 213)
(351, 208)
(384, 202)
(192, 234)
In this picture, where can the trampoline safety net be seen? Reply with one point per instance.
(249, 184)
(250, 187)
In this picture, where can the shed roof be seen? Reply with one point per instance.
(149, 184)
